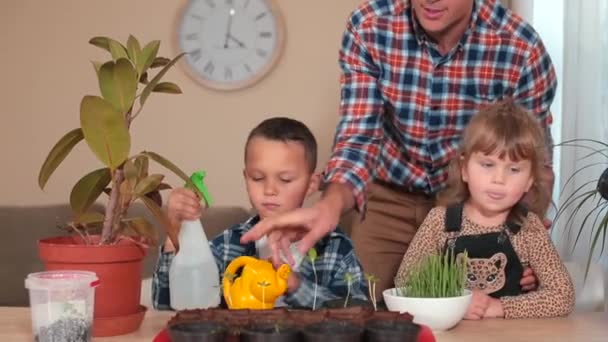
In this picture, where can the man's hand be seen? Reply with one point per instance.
(528, 280)
(478, 306)
(311, 224)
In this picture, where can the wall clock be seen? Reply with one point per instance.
(230, 44)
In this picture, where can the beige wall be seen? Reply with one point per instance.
(46, 69)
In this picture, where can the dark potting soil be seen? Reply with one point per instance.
(65, 330)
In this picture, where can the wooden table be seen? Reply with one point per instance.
(15, 325)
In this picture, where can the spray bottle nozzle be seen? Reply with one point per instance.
(198, 182)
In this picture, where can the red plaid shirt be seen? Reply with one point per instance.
(404, 105)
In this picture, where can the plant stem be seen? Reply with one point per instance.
(111, 214)
(374, 296)
(347, 295)
(314, 299)
(84, 238)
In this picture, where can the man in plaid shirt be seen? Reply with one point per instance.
(280, 162)
(413, 74)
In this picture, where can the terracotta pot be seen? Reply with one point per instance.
(119, 269)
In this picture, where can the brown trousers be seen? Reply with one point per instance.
(381, 239)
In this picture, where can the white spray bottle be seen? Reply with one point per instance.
(193, 274)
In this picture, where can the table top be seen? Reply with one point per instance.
(15, 325)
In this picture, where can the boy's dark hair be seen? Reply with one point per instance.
(287, 130)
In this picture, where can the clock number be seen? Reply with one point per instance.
(195, 55)
(209, 67)
(265, 34)
(210, 3)
(261, 53)
(247, 67)
(227, 73)
(260, 16)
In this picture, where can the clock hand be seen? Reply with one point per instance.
(228, 28)
(240, 43)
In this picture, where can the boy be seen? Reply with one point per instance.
(280, 163)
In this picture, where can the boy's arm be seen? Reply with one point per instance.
(427, 240)
(332, 265)
(555, 294)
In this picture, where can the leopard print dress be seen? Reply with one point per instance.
(555, 293)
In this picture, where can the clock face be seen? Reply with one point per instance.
(230, 44)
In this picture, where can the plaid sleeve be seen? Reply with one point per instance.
(161, 299)
(327, 280)
(537, 84)
(358, 134)
(536, 90)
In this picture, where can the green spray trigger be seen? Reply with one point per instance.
(198, 179)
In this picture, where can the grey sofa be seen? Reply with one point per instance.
(22, 227)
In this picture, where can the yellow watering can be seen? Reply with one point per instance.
(258, 286)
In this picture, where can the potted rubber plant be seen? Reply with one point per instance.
(585, 207)
(110, 242)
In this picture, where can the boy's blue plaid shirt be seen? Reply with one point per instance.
(336, 257)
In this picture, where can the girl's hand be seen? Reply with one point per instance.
(479, 304)
(495, 309)
(528, 280)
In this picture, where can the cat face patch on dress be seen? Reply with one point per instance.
(486, 275)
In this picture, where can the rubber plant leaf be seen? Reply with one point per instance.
(57, 154)
(105, 131)
(150, 86)
(148, 184)
(133, 49)
(147, 56)
(139, 226)
(167, 87)
(87, 190)
(118, 84)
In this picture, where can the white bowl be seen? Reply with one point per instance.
(436, 313)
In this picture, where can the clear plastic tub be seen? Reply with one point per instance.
(61, 304)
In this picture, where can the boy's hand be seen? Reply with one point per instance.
(293, 282)
(479, 304)
(495, 309)
(183, 204)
